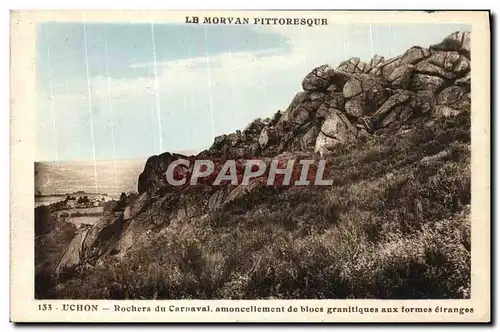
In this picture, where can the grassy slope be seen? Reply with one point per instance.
(52, 235)
(390, 227)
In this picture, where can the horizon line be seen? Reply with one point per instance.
(90, 160)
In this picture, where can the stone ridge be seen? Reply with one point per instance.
(354, 101)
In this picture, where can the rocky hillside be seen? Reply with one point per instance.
(352, 102)
(394, 224)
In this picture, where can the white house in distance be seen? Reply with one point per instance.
(71, 203)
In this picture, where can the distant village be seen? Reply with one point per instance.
(83, 202)
(87, 202)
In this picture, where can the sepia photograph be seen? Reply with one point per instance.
(240, 156)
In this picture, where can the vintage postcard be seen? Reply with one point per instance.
(254, 166)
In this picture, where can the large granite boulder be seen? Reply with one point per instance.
(318, 79)
(385, 68)
(427, 68)
(427, 82)
(354, 66)
(464, 82)
(73, 255)
(336, 100)
(400, 77)
(253, 129)
(398, 109)
(447, 65)
(152, 179)
(336, 129)
(450, 61)
(308, 139)
(364, 94)
(301, 111)
(322, 78)
(450, 95)
(414, 55)
(458, 41)
(375, 61)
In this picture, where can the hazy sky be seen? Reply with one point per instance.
(98, 83)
